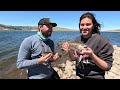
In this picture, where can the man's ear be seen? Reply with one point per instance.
(39, 27)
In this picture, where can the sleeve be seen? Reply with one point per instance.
(24, 54)
(106, 52)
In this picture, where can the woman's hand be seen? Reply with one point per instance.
(86, 52)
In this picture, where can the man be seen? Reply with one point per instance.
(31, 52)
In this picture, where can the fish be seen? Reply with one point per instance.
(74, 46)
(62, 54)
(78, 47)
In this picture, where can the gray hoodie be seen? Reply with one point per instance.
(30, 50)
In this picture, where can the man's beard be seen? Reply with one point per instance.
(46, 34)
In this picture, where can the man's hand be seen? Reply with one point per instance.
(45, 58)
(55, 57)
(65, 46)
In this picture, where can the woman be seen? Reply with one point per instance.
(98, 56)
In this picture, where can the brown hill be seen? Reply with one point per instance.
(117, 30)
(10, 27)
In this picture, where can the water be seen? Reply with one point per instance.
(11, 40)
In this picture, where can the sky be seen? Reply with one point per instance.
(109, 20)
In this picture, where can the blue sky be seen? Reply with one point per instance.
(110, 20)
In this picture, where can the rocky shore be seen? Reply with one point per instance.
(66, 70)
(65, 67)
(114, 73)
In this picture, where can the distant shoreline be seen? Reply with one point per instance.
(78, 30)
(112, 31)
(61, 30)
(35, 28)
(68, 30)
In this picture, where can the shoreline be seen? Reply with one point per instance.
(111, 31)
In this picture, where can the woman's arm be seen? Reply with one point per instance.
(102, 63)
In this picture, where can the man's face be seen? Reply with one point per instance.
(46, 30)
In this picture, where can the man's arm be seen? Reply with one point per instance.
(24, 54)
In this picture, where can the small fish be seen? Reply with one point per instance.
(45, 53)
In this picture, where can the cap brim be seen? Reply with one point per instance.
(53, 24)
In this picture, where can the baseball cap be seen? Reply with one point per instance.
(45, 21)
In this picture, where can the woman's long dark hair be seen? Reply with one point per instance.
(97, 26)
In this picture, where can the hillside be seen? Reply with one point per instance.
(10, 27)
(117, 30)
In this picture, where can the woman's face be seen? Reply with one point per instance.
(86, 27)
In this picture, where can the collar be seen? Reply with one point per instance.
(41, 36)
